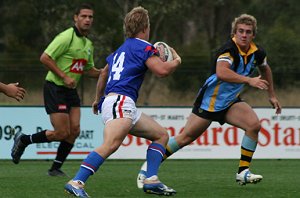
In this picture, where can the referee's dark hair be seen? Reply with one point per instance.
(88, 6)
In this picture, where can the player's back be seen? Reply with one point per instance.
(127, 67)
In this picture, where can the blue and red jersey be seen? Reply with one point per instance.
(127, 67)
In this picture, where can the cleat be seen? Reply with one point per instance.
(57, 173)
(18, 148)
(142, 176)
(153, 186)
(246, 177)
(75, 188)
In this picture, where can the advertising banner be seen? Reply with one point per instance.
(279, 136)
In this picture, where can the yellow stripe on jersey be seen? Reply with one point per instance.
(214, 98)
(225, 57)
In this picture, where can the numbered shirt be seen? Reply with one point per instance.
(73, 54)
(127, 67)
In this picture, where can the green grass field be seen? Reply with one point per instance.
(191, 178)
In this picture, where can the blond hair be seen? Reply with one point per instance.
(136, 21)
(244, 19)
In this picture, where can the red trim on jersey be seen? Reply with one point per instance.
(148, 48)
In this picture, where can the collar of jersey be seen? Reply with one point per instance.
(251, 50)
(142, 40)
(77, 31)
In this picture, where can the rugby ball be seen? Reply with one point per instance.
(165, 53)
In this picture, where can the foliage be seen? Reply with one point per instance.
(194, 28)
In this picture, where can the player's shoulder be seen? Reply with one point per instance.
(260, 49)
(66, 32)
(138, 43)
(64, 36)
(260, 53)
(138, 46)
(228, 47)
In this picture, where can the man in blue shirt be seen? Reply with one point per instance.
(219, 98)
(123, 76)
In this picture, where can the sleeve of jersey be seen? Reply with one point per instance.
(225, 57)
(261, 57)
(147, 51)
(58, 46)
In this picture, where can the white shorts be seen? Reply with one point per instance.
(119, 106)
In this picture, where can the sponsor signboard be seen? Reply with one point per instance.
(279, 137)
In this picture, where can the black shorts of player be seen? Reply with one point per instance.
(218, 116)
(59, 99)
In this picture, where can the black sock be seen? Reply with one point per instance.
(62, 153)
(242, 168)
(39, 137)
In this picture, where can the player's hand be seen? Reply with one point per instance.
(69, 82)
(14, 91)
(276, 105)
(95, 107)
(175, 55)
(258, 83)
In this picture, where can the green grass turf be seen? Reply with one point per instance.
(191, 178)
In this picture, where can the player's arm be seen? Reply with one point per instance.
(52, 66)
(163, 69)
(13, 90)
(101, 84)
(266, 73)
(226, 74)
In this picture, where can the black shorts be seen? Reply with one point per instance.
(218, 116)
(59, 99)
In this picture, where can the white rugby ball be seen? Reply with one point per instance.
(165, 53)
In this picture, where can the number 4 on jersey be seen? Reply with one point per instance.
(117, 67)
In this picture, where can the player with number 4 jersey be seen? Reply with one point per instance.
(127, 67)
(116, 95)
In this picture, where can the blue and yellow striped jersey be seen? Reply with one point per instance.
(216, 95)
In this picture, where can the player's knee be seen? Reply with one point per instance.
(164, 136)
(75, 131)
(255, 127)
(59, 136)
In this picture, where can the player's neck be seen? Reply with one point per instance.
(142, 36)
(81, 31)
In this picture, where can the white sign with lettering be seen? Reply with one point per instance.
(279, 137)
